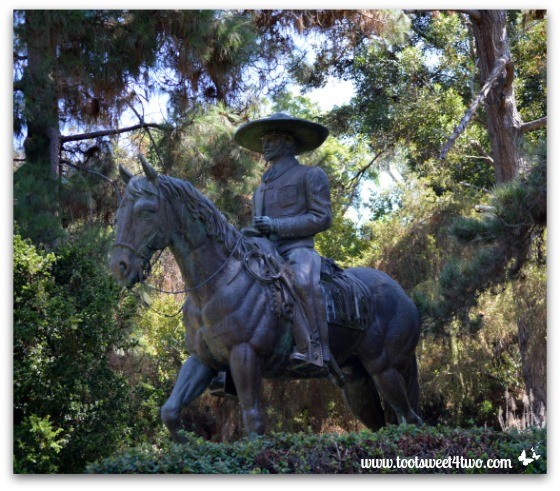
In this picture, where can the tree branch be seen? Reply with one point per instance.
(484, 209)
(355, 180)
(533, 125)
(97, 134)
(475, 14)
(480, 149)
(472, 186)
(510, 72)
(474, 106)
(141, 119)
(95, 173)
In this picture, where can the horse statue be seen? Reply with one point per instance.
(235, 314)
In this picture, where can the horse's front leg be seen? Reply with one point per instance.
(194, 377)
(245, 369)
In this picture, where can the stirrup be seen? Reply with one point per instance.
(306, 358)
(297, 356)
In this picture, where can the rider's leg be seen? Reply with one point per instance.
(309, 334)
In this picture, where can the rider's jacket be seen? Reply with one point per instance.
(298, 197)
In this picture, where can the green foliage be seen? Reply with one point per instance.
(466, 374)
(96, 54)
(69, 322)
(474, 357)
(155, 361)
(502, 243)
(530, 53)
(306, 453)
(37, 446)
(409, 97)
(444, 39)
(410, 243)
(36, 204)
(344, 242)
(161, 335)
(468, 230)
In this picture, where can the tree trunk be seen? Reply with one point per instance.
(36, 192)
(505, 128)
(42, 145)
(504, 122)
(531, 323)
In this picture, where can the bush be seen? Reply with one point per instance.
(308, 453)
(70, 405)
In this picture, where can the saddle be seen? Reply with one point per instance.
(345, 295)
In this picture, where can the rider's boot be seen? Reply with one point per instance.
(309, 345)
(305, 351)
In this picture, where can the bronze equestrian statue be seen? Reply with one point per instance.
(243, 310)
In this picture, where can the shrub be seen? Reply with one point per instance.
(308, 453)
(70, 405)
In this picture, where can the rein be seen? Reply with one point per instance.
(196, 287)
(272, 271)
(149, 267)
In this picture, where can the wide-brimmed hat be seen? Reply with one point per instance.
(307, 134)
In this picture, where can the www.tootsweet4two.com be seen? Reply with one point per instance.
(450, 462)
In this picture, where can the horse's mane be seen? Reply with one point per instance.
(199, 207)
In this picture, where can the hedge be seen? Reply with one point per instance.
(438, 449)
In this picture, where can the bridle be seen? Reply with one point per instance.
(137, 252)
(142, 251)
(143, 256)
(147, 266)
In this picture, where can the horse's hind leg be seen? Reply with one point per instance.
(362, 397)
(246, 372)
(412, 386)
(194, 377)
(392, 387)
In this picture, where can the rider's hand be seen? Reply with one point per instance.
(265, 225)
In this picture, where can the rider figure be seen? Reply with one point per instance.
(290, 207)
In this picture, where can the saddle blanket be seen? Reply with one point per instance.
(347, 300)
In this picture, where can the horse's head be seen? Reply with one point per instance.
(140, 225)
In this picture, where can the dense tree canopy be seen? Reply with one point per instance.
(449, 107)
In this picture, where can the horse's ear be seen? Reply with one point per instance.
(126, 175)
(150, 172)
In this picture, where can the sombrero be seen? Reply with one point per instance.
(308, 135)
